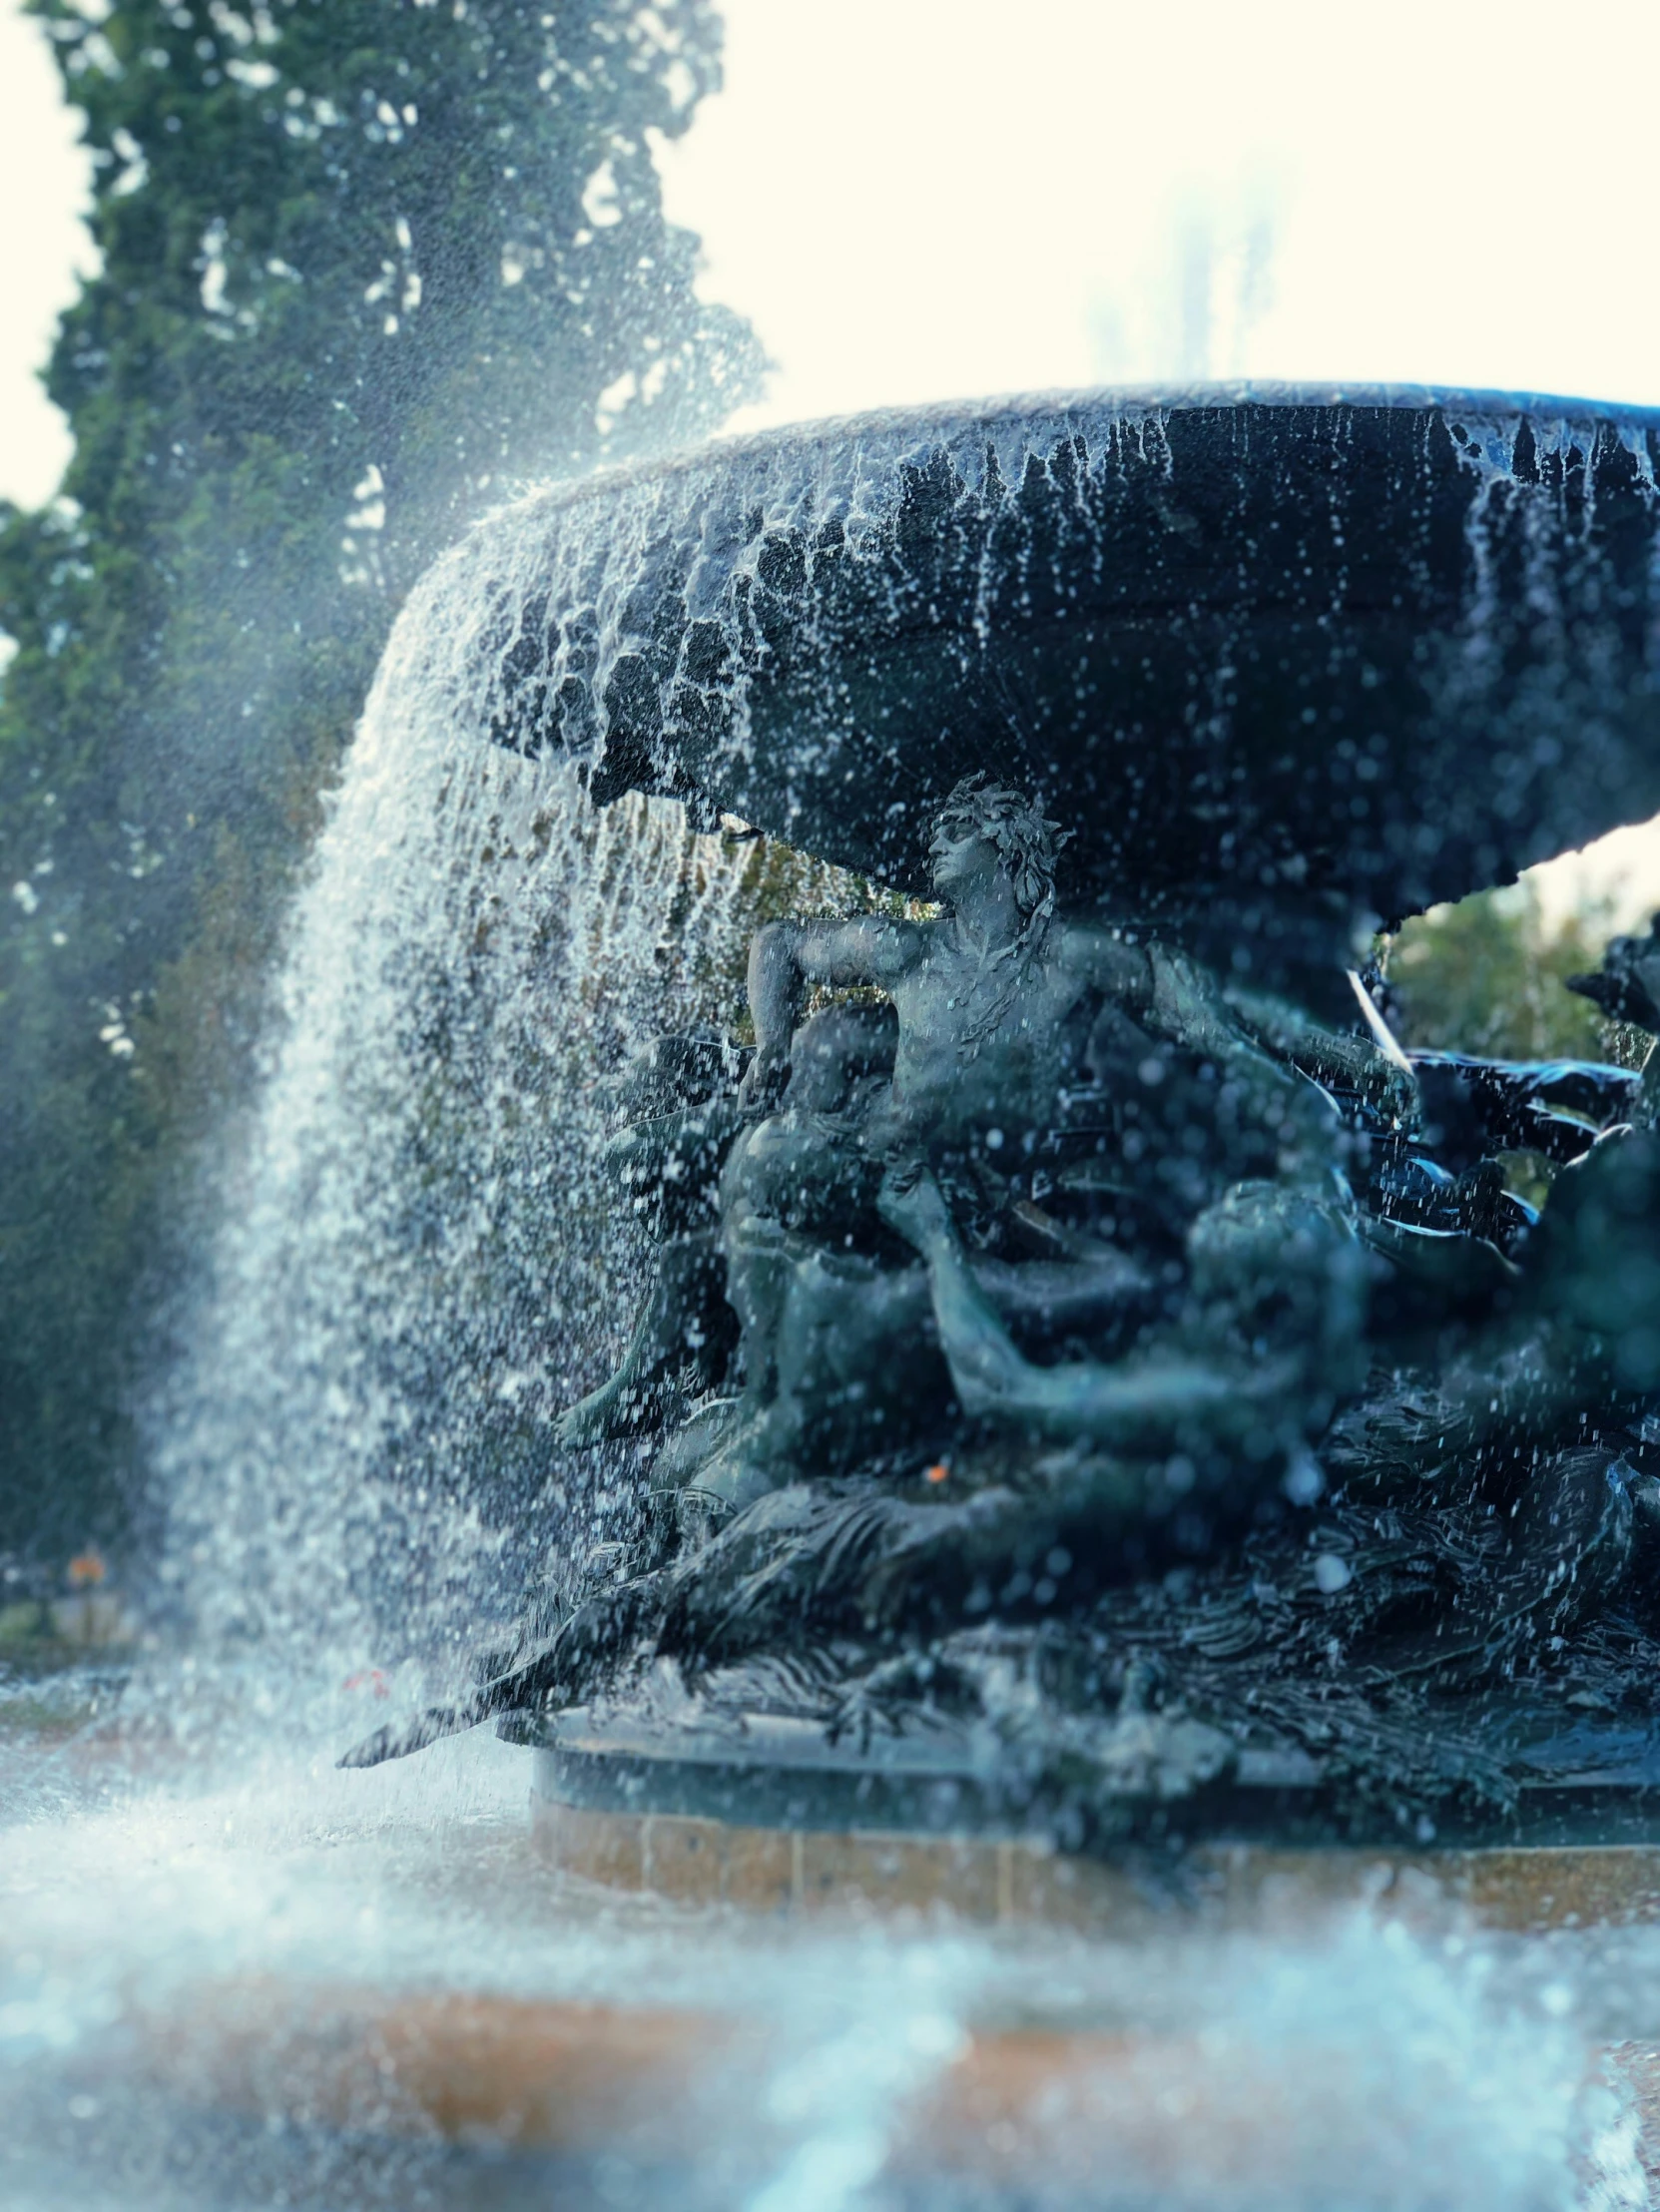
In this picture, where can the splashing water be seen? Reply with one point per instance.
(1352, 2061)
(418, 1265)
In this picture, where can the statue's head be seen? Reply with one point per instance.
(981, 824)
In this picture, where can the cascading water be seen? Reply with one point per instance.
(417, 1266)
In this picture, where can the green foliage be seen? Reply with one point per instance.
(367, 267)
(1489, 977)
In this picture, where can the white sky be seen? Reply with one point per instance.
(43, 186)
(924, 199)
(928, 199)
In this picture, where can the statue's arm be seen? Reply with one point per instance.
(685, 1323)
(785, 956)
(1120, 971)
(1334, 1058)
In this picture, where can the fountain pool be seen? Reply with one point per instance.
(234, 1982)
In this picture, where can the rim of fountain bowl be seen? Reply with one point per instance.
(1181, 889)
(1126, 399)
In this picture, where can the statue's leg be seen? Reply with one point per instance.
(1063, 1295)
(852, 1378)
(685, 1321)
(1272, 1263)
(1152, 1403)
(987, 1371)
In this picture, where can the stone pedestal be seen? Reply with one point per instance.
(774, 1819)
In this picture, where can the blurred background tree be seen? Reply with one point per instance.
(1490, 976)
(369, 267)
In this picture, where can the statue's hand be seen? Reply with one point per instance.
(763, 1082)
(613, 1409)
(914, 1206)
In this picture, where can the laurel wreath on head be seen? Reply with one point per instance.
(1027, 846)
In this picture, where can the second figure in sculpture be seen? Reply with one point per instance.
(1087, 1151)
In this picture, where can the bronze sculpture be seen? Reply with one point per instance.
(1081, 1336)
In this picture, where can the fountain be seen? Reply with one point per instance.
(1092, 1386)
(839, 1243)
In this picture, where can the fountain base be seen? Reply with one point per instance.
(773, 1817)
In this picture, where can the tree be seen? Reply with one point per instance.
(367, 267)
(1489, 975)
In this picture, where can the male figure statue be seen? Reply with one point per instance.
(1002, 1003)
(982, 993)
